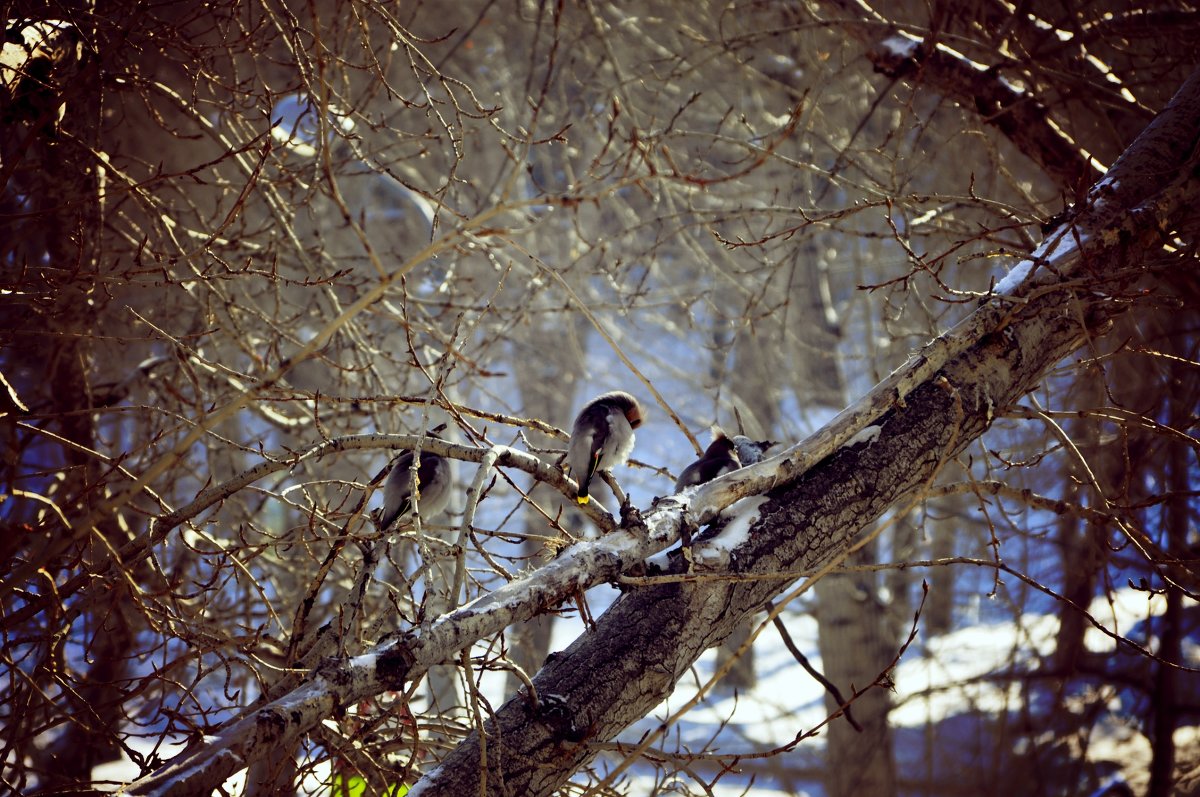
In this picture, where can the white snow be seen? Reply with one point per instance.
(659, 560)
(927, 216)
(901, 45)
(1128, 607)
(115, 774)
(1053, 252)
(742, 516)
(731, 787)
(868, 435)
(1015, 277)
(935, 679)
(367, 661)
(948, 679)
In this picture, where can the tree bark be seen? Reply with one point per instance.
(645, 643)
(545, 367)
(41, 75)
(648, 639)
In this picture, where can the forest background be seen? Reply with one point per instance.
(943, 253)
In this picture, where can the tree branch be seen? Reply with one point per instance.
(1016, 113)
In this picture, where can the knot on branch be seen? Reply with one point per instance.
(396, 660)
(555, 713)
(631, 519)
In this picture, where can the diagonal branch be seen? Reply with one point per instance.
(818, 495)
(648, 639)
(1015, 112)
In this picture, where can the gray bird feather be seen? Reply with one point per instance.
(751, 451)
(602, 437)
(433, 481)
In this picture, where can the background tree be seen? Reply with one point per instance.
(243, 244)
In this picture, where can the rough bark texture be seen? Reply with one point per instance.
(646, 641)
(632, 660)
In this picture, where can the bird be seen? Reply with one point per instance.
(719, 458)
(602, 437)
(751, 451)
(433, 482)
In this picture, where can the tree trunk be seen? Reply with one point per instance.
(1176, 522)
(856, 648)
(648, 639)
(67, 194)
(546, 378)
(1083, 544)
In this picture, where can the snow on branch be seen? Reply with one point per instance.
(926, 412)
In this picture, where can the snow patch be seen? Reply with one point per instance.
(926, 217)
(901, 45)
(741, 516)
(112, 775)
(660, 560)
(962, 659)
(1052, 252)
(1014, 277)
(425, 779)
(367, 662)
(868, 435)
(1120, 613)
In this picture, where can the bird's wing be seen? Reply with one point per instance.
(427, 470)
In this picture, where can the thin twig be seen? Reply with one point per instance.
(804, 662)
(458, 591)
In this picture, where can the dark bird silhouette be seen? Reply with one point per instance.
(719, 458)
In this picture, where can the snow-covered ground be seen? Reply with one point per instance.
(937, 679)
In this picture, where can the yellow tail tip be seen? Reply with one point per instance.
(583, 499)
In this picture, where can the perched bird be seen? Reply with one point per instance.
(602, 437)
(433, 481)
(751, 451)
(719, 458)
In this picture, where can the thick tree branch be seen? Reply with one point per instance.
(925, 412)
(1016, 113)
(640, 648)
